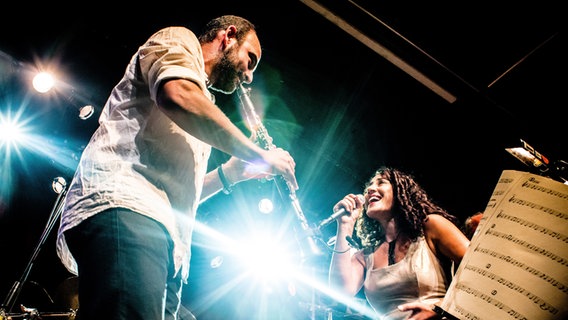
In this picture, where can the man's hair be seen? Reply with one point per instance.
(471, 224)
(221, 23)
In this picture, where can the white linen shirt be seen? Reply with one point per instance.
(138, 158)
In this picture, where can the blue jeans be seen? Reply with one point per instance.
(126, 268)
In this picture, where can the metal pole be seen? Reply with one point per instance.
(14, 293)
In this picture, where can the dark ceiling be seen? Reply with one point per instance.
(346, 86)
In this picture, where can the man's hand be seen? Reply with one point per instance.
(281, 162)
(277, 161)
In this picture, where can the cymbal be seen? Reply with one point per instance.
(67, 293)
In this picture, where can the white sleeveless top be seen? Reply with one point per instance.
(418, 277)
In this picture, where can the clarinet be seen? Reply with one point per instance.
(306, 240)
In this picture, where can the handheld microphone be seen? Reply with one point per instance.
(339, 213)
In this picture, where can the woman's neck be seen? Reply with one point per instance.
(391, 230)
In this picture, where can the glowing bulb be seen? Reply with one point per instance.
(86, 112)
(43, 82)
(216, 262)
(59, 184)
(265, 206)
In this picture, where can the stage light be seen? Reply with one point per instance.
(216, 262)
(43, 82)
(557, 169)
(59, 184)
(86, 112)
(265, 205)
(51, 84)
(266, 259)
(292, 290)
(529, 156)
(10, 131)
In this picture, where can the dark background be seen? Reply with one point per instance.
(339, 107)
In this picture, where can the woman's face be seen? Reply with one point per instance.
(379, 198)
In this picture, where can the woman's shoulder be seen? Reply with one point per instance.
(436, 219)
(437, 224)
(444, 237)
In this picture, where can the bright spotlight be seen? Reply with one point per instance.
(10, 131)
(216, 262)
(43, 82)
(265, 206)
(292, 290)
(266, 258)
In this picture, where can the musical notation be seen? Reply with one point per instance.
(517, 264)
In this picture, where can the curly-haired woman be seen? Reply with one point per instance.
(407, 247)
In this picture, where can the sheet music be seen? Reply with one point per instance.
(516, 266)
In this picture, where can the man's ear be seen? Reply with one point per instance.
(230, 35)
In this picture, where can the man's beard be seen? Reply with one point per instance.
(226, 72)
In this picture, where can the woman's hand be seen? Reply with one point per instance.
(352, 203)
(420, 311)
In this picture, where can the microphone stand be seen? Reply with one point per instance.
(14, 293)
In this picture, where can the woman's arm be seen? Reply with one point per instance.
(346, 272)
(445, 238)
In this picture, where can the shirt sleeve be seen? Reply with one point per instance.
(172, 52)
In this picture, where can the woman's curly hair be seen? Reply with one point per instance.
(411, 208)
